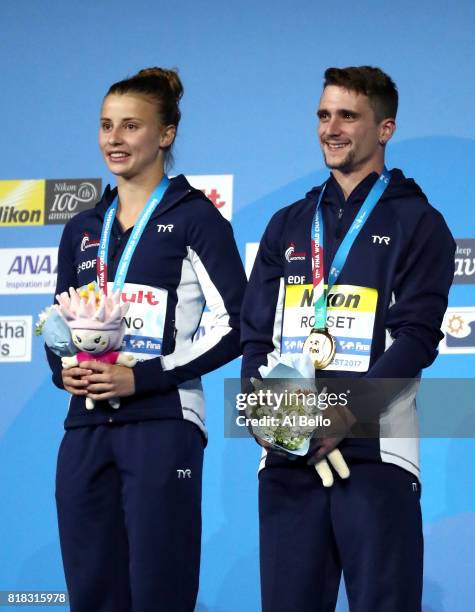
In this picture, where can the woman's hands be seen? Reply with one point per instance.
(99, 381)
(75, 379)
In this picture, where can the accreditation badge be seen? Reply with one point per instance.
(350, 321)
(144, 321)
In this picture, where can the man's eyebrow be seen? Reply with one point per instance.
(341, 112)
(347, 111)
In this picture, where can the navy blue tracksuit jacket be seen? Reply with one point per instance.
(186, 258)
(385, 309)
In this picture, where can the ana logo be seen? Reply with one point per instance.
(28, 270)
(381, 240)
(165, 228)
(292, 255)
(87, 242)
(459, 329)
(29, 264)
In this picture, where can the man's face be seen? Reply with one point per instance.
(348, 132)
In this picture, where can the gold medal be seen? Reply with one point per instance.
(321, 347)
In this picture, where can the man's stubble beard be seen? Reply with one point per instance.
(345, 165)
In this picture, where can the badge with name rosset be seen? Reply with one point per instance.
(321, 347)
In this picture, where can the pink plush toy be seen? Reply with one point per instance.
(97, 329)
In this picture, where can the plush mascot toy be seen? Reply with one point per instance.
(97, 329)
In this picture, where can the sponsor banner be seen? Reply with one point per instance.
(144, 320)
(45, 202)
(22, 203)
(218, 188)
(24, 271)
(142, 344)
(465, 262)
(64, 198)
(458, 327)
(15, 338)
(350, 319)
(250, 256)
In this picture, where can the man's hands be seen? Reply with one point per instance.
(323, 451)
(99, 381)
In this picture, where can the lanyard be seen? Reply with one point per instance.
(124, 263)
(319, 292)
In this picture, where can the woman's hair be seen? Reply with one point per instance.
(164, 87)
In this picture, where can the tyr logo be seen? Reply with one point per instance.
(165, 228)
(381, 240)
(184, 473)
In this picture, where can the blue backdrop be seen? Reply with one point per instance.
(252, 73)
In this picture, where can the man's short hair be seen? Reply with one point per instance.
(372, 82)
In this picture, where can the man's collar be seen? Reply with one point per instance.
(359, 193)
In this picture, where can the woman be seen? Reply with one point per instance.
(128, 486)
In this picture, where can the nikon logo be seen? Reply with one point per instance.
(22, 202)
(64, 198)
(334, 300)
(11, 216)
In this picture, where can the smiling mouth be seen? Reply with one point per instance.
(336, 146)
(118, 156)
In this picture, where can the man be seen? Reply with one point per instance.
(363, 264)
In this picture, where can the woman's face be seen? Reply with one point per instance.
(131, 137)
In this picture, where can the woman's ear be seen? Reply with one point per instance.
(167, 136)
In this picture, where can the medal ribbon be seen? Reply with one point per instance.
(319, 292)
(138, 229)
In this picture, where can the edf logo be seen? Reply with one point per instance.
(165, 228)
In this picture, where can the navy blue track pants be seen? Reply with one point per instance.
(369, 527)
(129, 512)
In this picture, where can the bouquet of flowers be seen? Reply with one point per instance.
(287, 415)
(56, 332)
(287, 421)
